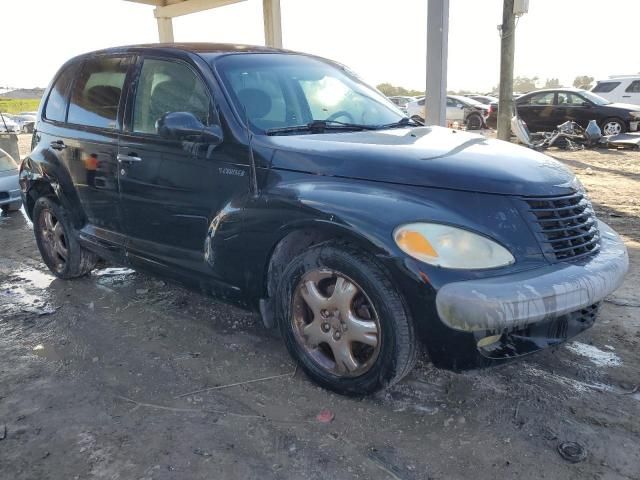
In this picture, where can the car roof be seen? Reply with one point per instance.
(210, 49)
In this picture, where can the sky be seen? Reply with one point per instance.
(382, 40)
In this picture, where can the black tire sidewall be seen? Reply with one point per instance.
(479, 121)
(74, 260)
(368, 276)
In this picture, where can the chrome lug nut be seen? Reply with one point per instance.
(337, 335)
(325, 326)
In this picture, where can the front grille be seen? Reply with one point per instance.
(566, 226)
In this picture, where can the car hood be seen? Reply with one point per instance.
(624, 106)
(424, 156)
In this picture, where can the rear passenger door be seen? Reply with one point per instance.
(95, 115)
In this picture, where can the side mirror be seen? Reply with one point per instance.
(586, 104)
(460, 106)
(186, 126)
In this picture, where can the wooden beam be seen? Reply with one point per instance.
(155, 3)
(190, 6)
(272, 23)
(165, 30)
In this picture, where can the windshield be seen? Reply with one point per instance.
(597, 99)
(6, 162)
(283, 90)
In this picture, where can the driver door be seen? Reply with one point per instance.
(170, 190)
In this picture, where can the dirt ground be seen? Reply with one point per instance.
(96, 375)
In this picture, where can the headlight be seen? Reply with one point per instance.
(450, 247)
(635, 115)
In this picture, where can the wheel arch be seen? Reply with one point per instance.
(43, 178)
(293, 240)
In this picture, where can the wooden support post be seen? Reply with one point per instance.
(507, 55)
(437, 52)
(272, 23)
(165, 30)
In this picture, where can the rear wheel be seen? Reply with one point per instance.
(474, 122)
(613, 126)
(344, 321)
(57, 242)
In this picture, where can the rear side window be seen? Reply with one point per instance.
(634, 87)
(6, 162)
(96, 92)
(165, 86)
(545, 98)
(56, 108)
(605, 87)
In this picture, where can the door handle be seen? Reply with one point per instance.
(128, 158)
(58, 145)
(626, 96)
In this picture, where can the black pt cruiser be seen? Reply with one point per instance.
(282, 183)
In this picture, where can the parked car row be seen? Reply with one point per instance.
(619, 88)
(544, 110)
(23, 122)
(465, 110)
(10, 198)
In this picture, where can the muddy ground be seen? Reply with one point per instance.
(94, 372)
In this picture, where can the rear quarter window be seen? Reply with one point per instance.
(6, 162)
(56, 106)
(96, 93)
(634, 87)
(605, 87)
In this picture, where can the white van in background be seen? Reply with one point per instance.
(619, 89)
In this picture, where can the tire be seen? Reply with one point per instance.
(474, 122)
(613, 126)
(11, 207)
(377, 302)
(57, 241)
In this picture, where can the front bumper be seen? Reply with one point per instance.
(517, 301)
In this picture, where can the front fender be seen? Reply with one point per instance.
(367, 213)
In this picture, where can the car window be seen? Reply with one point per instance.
(167, 86)
(282, 90)
(605, 87)
(96, 93)
(634, 87)
(451, 102)
(545, 98)
(568, 98)
(56, 108)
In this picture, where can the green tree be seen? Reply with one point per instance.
(392, 90)
(552, 83)
(524, 84)
(583, 81)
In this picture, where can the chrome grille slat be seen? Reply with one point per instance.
(565, 225)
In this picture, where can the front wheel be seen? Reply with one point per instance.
(344, 321)
(613, 126)
(57, 242)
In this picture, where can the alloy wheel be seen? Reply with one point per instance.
(54, 239)
(612, 128)
(335, 323)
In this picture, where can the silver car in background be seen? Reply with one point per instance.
(10, 199)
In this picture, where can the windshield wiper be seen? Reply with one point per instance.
(403, 122)
(319, 126)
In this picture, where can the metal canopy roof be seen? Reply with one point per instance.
(437, 33)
